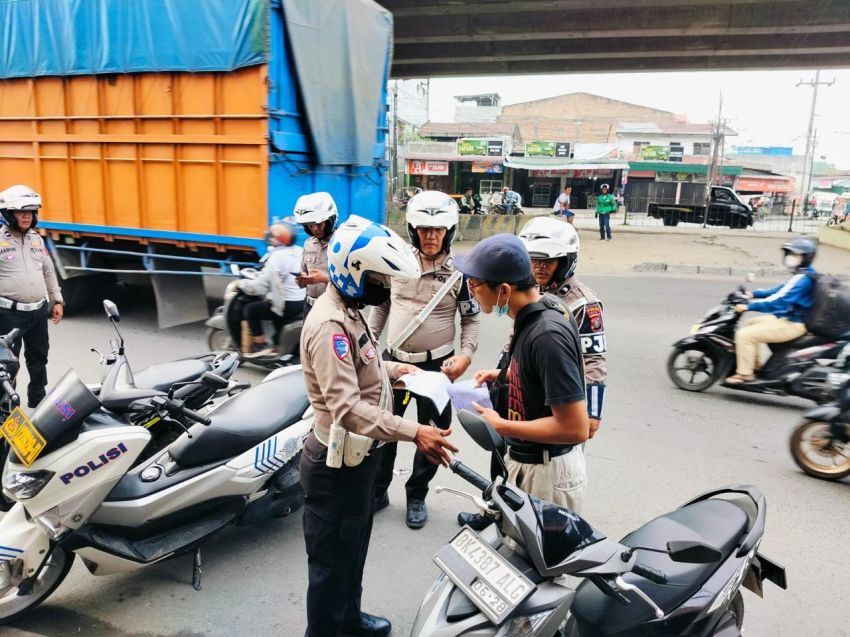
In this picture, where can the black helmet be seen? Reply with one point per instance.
(804, 246)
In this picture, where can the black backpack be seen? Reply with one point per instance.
(830, 314)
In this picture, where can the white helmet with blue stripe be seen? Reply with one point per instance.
(359, 247)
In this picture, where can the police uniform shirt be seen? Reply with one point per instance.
(586, 308)
(344, 373)
(27, 274)
(409, 296)
(315, 257)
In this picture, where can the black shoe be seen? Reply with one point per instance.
(475, 521)
(32, 404)
(381, 502)
(417, 513)
(369, 625)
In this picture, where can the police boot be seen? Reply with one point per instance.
(368, 626)
(417, 513)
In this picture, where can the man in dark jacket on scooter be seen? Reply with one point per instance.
(784, 308)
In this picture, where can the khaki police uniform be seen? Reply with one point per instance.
(28, 291)
(346, 381)
(315, 257)
(427, 348)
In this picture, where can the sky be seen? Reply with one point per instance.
(766, 108)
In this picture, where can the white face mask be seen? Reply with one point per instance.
(793, 261)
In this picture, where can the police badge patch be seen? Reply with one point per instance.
(342, 346)
(594, 317)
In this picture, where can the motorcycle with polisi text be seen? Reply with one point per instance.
(79, 489)
(197, 381)
(795, 368)
(679, 574)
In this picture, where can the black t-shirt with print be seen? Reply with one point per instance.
(546, 367)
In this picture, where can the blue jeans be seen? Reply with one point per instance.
(604, 224)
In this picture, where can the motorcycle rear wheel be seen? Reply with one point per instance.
(818, 453)
(697, 364)
(218, 340)
(52, 575)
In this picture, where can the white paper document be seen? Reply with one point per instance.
(464, 393)
(432, 385)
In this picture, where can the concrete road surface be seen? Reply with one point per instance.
(658, 447)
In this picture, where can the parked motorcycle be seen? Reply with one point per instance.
(221, 337)
(679, 574)
(496, 206)
(196, 381)
(78, 490)
(797, 368)
(820, 445)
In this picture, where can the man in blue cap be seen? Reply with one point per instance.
(538, 387)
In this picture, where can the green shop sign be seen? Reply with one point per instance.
(659, 153)
(547, 149)
(480, 147)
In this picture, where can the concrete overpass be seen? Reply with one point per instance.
(439, 38)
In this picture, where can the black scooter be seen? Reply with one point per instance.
(796, 368)
(679, 574)
(820, 445)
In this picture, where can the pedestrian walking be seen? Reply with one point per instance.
(606, 205)
(349, 389)
(421, 315)
(317, 214)
(29, 290)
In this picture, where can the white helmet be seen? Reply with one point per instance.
(548, 238)
(432, 209)
(360, 246)
(316, 208)
(19, 198)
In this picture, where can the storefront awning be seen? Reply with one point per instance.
(554, 163)
(679, 167)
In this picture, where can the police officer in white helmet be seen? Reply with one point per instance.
(421, 317)
(349, 390)
(317, 214)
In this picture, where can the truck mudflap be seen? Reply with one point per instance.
(761, 569)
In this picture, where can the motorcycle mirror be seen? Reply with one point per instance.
(481, 432)
(214, 380)
(693, 552)
(111, 310)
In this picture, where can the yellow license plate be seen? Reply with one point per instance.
(23, 437)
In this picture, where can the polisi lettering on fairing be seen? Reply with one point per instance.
(92, 465)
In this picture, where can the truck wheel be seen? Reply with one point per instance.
(670, 219)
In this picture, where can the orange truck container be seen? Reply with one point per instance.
(173, 171)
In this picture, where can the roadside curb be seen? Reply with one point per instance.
(717, 270)
(20, 633)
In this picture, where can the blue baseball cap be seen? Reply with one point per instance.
(502, 258)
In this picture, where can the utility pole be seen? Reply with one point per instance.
(807, 172)
(394, 152)
(717, 135)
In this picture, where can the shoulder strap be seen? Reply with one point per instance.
(416, 323)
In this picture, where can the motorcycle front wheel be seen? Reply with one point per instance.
(691, 369)
(818, 452)
(12, 606)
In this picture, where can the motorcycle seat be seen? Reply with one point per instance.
(161, 377)
(806, 340)
(244, 421)
(718, 523)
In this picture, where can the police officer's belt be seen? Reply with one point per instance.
(537, 454)
(9, 304)
(309, 301)
(422, 357)
(322, 437)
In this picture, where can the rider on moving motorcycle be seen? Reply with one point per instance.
(283, 300)
(784, 308)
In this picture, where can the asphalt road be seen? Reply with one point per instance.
(657, 448)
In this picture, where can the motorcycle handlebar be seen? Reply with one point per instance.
(469, 475)
(7, 388)
(647, 572)
(177, 407)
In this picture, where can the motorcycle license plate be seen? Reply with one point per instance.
(23, 437)
(487, 578)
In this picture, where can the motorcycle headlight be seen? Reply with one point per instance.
(526, 626)
(26, 484)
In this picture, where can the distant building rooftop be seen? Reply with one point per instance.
(466, 129)
(482, 99)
